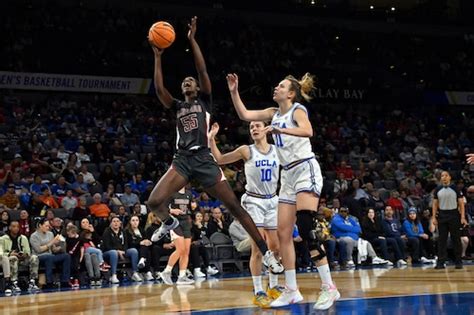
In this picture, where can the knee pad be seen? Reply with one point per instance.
(316, 245)
(304, 221)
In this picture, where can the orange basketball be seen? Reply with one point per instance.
(161, 34)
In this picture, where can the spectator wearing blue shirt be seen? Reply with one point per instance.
(391, 227)
(60, 188)
(129, 198)
(37, 186)
(415, 235)
(347, 229)
(138, 184)
(79, 186)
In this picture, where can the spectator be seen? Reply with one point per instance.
(345, 228)
(146, 194)
(372, 231)
(9, 200)
(122, 214)
(198, 248)
(99, 209)
(52, 142)
(115, 248)
(47, 248)
(80, 187)
(340, 184)
(414, 232)
(346, 170)
(60, 188)
(217, 223)
(396, 204)
(240, 237)
(86, 175)
(69, 202)
(82, 157)
(137, 184)
(16, 248)
(4, 222)
(81, 210)
(25, 225)
(129, 198)
(107, 176)
(75, 249)
(86, 226)
(97, 263)
(136, 238)
(37, 187)
(47, 199)
(323, 230)
(56, 226)
(391, 227)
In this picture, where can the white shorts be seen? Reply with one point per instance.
(304, 177)
(264, 212)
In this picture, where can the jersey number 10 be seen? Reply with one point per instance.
(266, 175)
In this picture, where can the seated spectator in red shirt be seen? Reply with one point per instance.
(346, 169)
(396, 203)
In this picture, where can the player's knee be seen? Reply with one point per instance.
(155, 202)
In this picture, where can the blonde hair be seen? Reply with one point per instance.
(302, 87)
(151, 218)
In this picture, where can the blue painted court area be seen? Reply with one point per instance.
(452, 304)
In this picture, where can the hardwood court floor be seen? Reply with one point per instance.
(359, 290)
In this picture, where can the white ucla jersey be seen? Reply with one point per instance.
(290, 148)
(262, 171)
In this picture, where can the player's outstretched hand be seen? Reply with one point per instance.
(192, 28)
(214, 130)
(232, 82)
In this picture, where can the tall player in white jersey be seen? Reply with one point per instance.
(260, 199)
(301, 179)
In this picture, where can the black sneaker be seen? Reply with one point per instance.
(458, 266)
(440, 266)
(50, 286)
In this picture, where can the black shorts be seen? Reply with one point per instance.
(184, 228)
(199, 165)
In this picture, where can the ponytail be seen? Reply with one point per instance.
(302, 87)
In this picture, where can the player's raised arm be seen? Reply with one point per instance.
(204, 81)
(241, 153)
(242, 111)
(162, 93)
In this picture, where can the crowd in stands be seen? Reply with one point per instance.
(75, 178)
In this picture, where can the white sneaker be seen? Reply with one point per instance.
(114, 279)
(163, 229)
(212, 270)
(184, 281)
(287, 297)
(389, 263)
(350, 264)
(149, 276)
(378, 261)
(327, 297)
(166, 277)
(401, 262)
(32, 285)
(141, 263)
(136, 277)
(425, 260)
(189, 274)
(272, 262)
(198, 273)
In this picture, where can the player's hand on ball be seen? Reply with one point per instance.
(157, 51)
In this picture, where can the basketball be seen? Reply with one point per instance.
(161, 34)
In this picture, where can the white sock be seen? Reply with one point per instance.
(257, 284)
(182, 273)
(168, 268)
(290, 279)
(272, 280)
(325, 275)
(197, 269)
